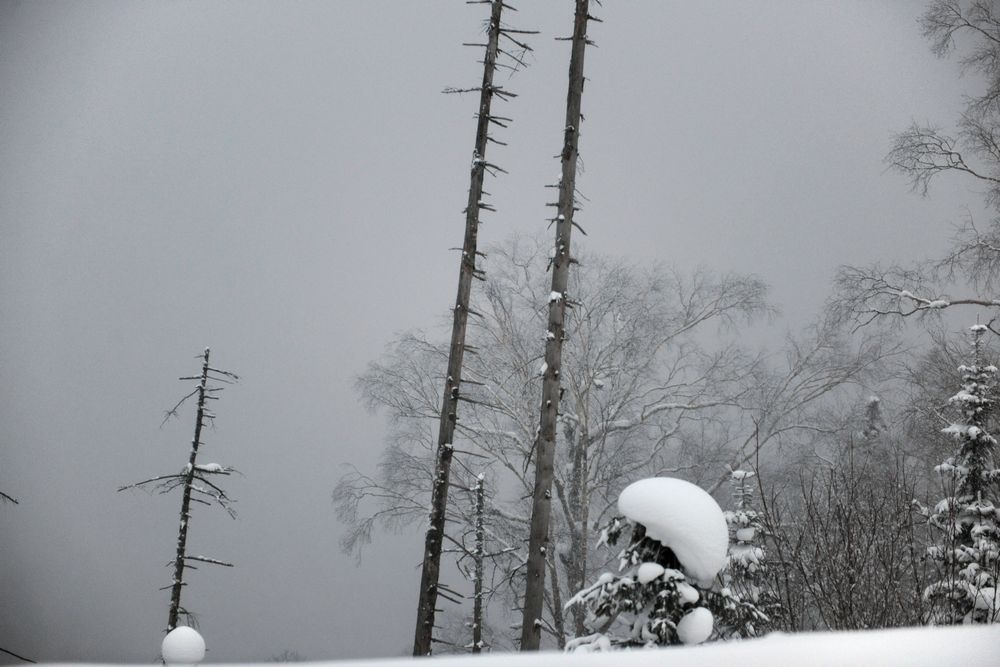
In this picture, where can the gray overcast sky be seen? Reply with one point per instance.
(282, 180)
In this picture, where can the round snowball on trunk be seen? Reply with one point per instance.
(696, 626)
(183, 646)
(685, 518)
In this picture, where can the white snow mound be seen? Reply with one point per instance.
(183, 646)
(685, 518)
(696, 626)
(649, 571)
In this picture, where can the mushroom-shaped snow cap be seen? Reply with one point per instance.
(183, 646)
(681, 516)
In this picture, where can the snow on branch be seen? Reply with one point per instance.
(867, 294)
(212, 561)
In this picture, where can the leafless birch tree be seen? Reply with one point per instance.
(196, 480)
(924, 153)
(638, 377)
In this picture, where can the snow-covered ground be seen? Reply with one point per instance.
(961, 646)
(958, 646)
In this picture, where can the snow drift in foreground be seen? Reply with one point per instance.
(955, 646)
(682, 516)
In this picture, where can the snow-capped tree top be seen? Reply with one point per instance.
(681, 516)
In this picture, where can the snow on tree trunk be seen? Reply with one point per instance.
(531, 623)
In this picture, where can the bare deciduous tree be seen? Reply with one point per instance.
(787, 395)
(843, 547)
(922, 153)
(194, 480)
(636, 379)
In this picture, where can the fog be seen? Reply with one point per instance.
(283, 181)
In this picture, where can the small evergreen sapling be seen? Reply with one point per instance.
(676, 548)
(967, 553)
(745, 602)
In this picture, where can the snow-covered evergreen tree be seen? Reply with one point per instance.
(745, 602)
(874, 424)
(968, 550)
(677, 547)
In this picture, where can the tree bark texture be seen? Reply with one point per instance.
(531, 627)
(430, 574)
(477, 604)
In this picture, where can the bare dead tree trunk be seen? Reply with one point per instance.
(178, 581)
(531, 625)
(480, 555)
(427, 599)
(193, 480)
(558, 618)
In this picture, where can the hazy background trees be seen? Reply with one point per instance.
(656, 381)
(93, 283)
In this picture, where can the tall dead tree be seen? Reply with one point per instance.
(194, 480)
(430, 574)
(531, 627)
(480, 556)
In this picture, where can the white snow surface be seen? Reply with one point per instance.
(648, 572)
(685, 518)
(988, 599)
(183, 646)
(954, 646)
(696, 626)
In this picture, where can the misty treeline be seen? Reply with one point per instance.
(854, 455)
